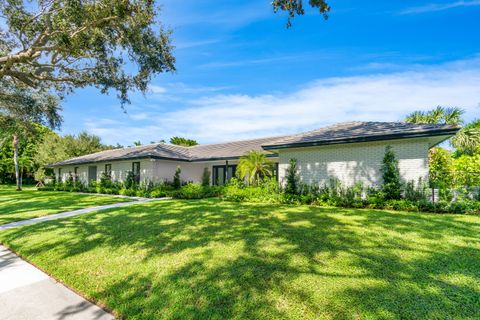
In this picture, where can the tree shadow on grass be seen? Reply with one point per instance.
(264, 261)
(27, 204)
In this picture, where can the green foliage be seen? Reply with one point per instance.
(55, 148)
(416, 191)
(439, 115)
(266, 191)
(254, 167)
(177, 183)
(295, 8)
(197, 191)
(292, 183)
(467, 140)
(63, 45)
(391, 185)
(441, 168)
(180, 141)
(206, 177)
(22, 111)
(130, 180)
(467, 170)
(27, 149)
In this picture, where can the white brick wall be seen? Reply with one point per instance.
(150, 169)
(351, 163)
(356, 162)
(119, 170)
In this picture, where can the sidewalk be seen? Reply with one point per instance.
(26, 293)
(72, 213)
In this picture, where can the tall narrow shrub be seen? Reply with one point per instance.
(392, 186)
(292, 183)
(206, 177)
(176, 178)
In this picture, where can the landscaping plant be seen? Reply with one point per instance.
(391, 186)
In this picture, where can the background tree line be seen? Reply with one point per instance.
(41, 147)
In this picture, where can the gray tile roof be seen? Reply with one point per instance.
(203, 152)
(356, 131)
(338, 133)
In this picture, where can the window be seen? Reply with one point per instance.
(59, 175)
(108, 170)
(218, 173)
(136, 171)
(92, 173)
(75, 173)
(275, 170)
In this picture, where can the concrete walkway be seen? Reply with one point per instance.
(73, 213)
(26, 293)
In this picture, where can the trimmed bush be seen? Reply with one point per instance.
(197, 191)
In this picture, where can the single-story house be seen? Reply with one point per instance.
(350, 151)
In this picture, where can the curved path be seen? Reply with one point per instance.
(73, 213)
(28, 293)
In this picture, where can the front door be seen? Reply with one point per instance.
(92, 173)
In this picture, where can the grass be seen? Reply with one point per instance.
(218, 260)
(30, 203)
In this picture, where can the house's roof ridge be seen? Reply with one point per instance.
(353, 130)
(237, 141)
(350, 131)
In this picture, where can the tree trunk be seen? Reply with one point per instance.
(15, 161)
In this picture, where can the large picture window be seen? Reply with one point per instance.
(136, 171)
(218, 174)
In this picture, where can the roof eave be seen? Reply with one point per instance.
(59, 164)
(398, 136)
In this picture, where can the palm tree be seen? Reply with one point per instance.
(467, 140)
(254, 166)
(439, 115)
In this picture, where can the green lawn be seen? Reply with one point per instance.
(30, 203)
(219, 260)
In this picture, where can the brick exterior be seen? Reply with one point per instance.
(357, 162)
(351, 163)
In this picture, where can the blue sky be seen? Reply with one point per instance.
(242, 74)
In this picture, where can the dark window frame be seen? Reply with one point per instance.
(75, 173)
(136, 174)
(59, 174)
(108, 169)
(224, 174)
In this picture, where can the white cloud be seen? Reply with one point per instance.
(156, 89)
(432, 7)
(376, 97)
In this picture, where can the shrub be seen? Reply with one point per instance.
(292, 184)
(92, 187)
(417, 192)
(176, 179)
(158, 193)
(266, 191)
(128, 192)
(206, 177)
(392, 186)
(197, 191)
(130, 180)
